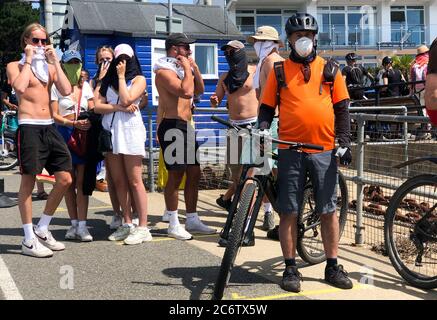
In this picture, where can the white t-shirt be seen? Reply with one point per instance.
(67, 104)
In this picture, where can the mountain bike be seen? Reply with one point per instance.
(410, 228)
(246, 204)
(8, 146)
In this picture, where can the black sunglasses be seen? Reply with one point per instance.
(185, 46)
(37, 40)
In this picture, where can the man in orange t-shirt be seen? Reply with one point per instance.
(315, 112)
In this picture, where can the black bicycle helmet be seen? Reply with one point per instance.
(351, 56)
(301, 22)
(387, 60)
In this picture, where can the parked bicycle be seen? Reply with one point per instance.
(244, 210)
(8, 146)
(410, 228)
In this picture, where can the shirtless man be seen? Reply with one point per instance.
(266, 43)
(178, 79)
(237, 85)
(40, 144)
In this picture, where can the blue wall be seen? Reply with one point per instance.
(142, 47)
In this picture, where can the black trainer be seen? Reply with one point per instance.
(291, 279)
(225, 204)
(273, 233)
(337, 276)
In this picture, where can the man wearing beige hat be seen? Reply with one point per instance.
(237, 85)
(266, 43)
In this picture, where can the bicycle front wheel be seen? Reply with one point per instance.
(8, 154)
(236, 236)
(410, 231)
(309, 242)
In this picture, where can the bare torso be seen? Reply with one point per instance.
(173, 106)
(243, 103)
(34, 103)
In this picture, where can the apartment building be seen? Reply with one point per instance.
(372, 28)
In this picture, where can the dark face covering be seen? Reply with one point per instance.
(133, 69)
(238, 73)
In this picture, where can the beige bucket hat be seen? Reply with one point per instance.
(264, 33)
(422, 49)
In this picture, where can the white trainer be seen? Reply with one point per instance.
(34, 248)
(138, 235)
(116, 222)
(179, 232)
(84, 235)
(165, 217)
(194, 225)
(71, 233)
(122, 233)
(46, 238)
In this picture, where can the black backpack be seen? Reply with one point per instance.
(356, 75)
(329, 72)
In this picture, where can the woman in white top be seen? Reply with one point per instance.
(66, 110)
(118, 99)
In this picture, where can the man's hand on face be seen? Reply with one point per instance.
(214, 100)
(29, 50)
(51, 54)
(184, 62)
(192, 63)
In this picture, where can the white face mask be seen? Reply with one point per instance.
(304, 47)
(258, 46)
(39, 53)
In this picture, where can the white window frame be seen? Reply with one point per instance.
(208, 76)
(155, 44)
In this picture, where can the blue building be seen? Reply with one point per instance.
(90, 24)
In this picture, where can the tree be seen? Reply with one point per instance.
(14, 17)
(403, 63)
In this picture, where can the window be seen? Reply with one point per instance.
(407, 24)
(206, 57)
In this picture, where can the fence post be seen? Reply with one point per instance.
(406, 141)
(359, 181)
(151, 172)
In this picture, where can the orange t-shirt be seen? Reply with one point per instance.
(305, 115)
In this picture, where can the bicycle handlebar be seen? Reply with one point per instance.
(293, 145)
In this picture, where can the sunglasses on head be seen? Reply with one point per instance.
(37, 40)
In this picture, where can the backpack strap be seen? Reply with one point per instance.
(329, 73)
(278, 67)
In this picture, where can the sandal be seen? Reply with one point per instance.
(42, 195)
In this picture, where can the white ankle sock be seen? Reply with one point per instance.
(193, 216)
(44, 222)
(28, 231)
(268, 207)
(82, 224)
(173, 218)
(74, 222)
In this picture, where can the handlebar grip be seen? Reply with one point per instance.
(222, 121)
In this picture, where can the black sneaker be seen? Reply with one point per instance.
(337, 276)
(273, 233)
(291, 279)
(247, 242)
(269, 221)
(225, 204)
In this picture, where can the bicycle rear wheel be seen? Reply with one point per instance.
(410, 231)
(8, 154)
(309, 242)
(236, 236)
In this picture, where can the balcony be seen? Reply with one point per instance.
(355, 37)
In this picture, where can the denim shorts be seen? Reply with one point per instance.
(293, 168)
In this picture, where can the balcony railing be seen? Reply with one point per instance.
(363, 36)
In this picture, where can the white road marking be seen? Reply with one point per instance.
(7, 284)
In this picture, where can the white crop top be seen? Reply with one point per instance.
(67, 104)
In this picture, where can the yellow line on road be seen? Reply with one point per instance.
(236, 296)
